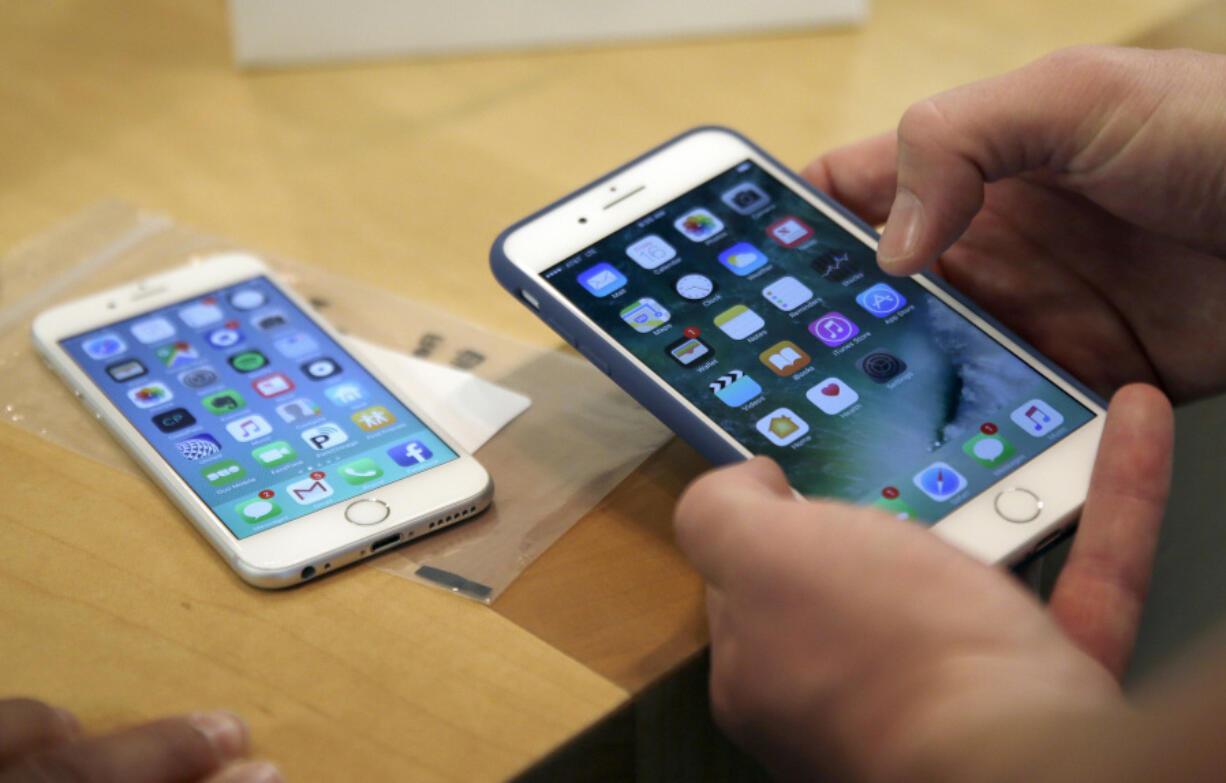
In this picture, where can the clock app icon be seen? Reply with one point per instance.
(695, 286)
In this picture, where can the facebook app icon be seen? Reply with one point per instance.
(408, 454)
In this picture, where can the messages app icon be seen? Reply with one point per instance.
(602, 279)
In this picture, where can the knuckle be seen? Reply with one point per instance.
(56, 766)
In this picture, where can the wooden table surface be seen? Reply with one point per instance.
(399, 175)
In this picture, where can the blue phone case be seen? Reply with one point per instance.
(651, 392)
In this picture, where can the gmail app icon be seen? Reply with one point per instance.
(309, 490)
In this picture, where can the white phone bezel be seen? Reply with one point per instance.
(1060, 476)
(323, 540)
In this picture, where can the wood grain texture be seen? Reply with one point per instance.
(399, 175)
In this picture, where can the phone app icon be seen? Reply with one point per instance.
(688, 350)
(151, 394)
(881, 366)
(273, 385)
(201, 314)
(790, 231)
(258, 510)
(894, 506)
(360, 471)
(373, 418)
(174, 420)
(224, 337)
(834, 266)
(989, 450)
(318, 369)
(126, 370)
(222, 473)
(651, 251)
(199, 378)
(738, 322)
(198, 447)
(225, 401)
(247, 299)
(734, 389)
(326, 436)
(787, 293)
(346, 394)
(409, 454)
(784, 358)
(311, 489)
(602, 279)
(694, 287)
(782, 426)
(176, 354)
(833, 329)
(745, 198)
(296, 345)
(939, 481)
(881, 300)
(249, 427)
(297, 410)
(248, 361)
(1037, 418)
(266, 322)
(274, 454)
(645, 314)
(743, 258)
(104, 346)
(152, 330)
(698, 225)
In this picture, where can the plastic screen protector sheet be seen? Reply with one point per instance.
(579, 438)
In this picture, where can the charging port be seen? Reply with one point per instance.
(384, 543)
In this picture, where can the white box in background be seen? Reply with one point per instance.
(291, 32)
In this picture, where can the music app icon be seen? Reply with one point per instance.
(249, 428)
(1037, 418)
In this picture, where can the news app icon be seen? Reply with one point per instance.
(1037, 418)
(602, 279)
(651, 251)
(249, 428)
(273, 385)
(409, 454)
(326, 436)
(782, 426)
(833, 329)
(939, 481)
(790, 231)
(785, 358)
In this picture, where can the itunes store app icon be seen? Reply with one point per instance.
(832, 396)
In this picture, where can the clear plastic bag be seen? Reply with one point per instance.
(580, 437)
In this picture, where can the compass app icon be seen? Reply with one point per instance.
(939, 481)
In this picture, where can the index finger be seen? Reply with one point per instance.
(28, 724)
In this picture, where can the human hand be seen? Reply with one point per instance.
(1101, 234)
(43, 744)
(850, 644)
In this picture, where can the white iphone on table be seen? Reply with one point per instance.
(291, 456)
(746, 310)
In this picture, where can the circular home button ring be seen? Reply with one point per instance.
(367, 512)
(1018, 505)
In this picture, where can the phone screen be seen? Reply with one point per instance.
(777, 323)
(264, 415)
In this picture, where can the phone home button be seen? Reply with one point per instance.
(367, 512)
(1018, 505)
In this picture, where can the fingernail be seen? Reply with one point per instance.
(225, 731)
(250, 772)
(902, 229)
(69, 720)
